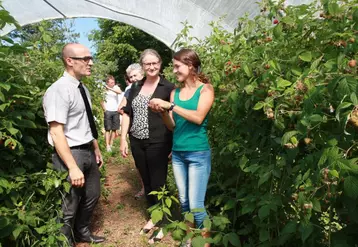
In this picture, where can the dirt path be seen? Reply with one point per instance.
(120, 217)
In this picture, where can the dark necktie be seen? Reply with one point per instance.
(89, 112)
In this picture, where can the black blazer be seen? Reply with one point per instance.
(158, 132)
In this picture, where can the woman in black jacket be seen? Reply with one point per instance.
(150, 139)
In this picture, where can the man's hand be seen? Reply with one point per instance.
(99, 158)
(76, 176)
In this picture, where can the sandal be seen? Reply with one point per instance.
(139, 194)
(186, 243)
(145, 229)
(157, 238)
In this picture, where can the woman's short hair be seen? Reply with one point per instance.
(134, 66)
(149, 52)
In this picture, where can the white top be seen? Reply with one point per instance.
(111, 101)
(63, 103)
(120, 97)
(128, 87)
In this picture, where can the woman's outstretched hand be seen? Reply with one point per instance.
(158, 105)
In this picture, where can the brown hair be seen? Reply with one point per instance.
(190, 57)
(110, 77)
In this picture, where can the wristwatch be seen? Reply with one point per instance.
(172, 104)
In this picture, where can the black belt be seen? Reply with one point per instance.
(85, 146)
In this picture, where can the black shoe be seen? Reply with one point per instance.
(90, 239)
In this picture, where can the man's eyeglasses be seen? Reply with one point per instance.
(150, 64)
(86, 59)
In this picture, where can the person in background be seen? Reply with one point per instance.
(134, 73)
(72, 132)
(120, 99)
(110, 107)
(186, 113)
(150, 139)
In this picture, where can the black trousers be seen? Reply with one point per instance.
(79, 203)
(151, 159)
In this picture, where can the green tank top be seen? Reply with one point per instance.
(188, 136)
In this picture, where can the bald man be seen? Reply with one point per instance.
(72, 133)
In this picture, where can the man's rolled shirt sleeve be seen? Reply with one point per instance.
(56, 105)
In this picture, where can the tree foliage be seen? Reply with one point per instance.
(120, 45)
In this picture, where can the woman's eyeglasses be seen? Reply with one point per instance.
(151, 64)
(86, 59)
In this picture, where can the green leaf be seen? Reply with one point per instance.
(264, 235)
(330, 64)
(306, 56)
(26, 124)
(341, 106)
(5, 86)
(316, 205)
(3, 106)
(217, 238)
(234, 239)
(351, 186)
(207, 224)
(315, 118)
(7, 142)
(178, 234)
(189, 217)
(156, 216)
(249, 89)
(283, 83)
(46, 38)
(248, 208)
(29, 140)
(41, 229)
(277, 31)
(4, 221)
(290, 227)
(355, 15)
(334, 173)
(198, 241)
(287, 136)
(306, 231)
(247, 70)
(168, 202)
(183, 226)
(67, 187)
(2, 97)
(264, 212)
(264, 178)
(316, 63)
(17, 232)
(296, 71)
(333, 8)
(354, 99)
(167, 211)
(288, 20)
(12, 131)
(229, 204)
(259, 105)
(174, 199)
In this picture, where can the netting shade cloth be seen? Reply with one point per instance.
(159, 18)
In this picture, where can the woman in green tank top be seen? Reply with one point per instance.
(187, 115)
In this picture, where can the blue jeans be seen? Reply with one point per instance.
(191, 172)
